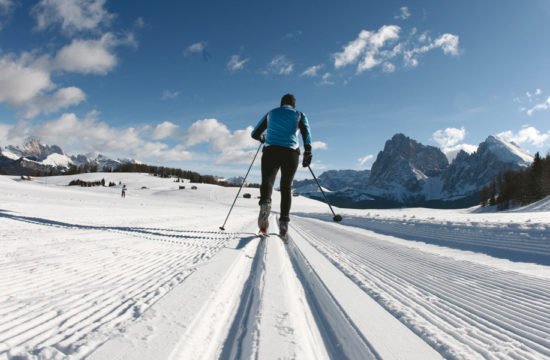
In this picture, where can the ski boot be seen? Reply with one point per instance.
(263, 218)
(283, 230)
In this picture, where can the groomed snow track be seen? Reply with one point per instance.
(463, 309)
(273, 304)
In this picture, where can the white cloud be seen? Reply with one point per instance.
(367, 45)
(527, 135)
(312, 71)
(25, 80)
(21, 79)
(236, 63)
(88, 134)
(449, 136)
(72, 15)
(319, 145)
(372, 49)
(164, 130)
(448, 43)
(450, 140)
(545, 105)
(169, 95)
(452, 151)
(234, 146)
(49, 103)
(196, 48)
(280, 65)
(404, 13)
(365, 159)
(90, 56)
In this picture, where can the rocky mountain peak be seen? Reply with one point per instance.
(404, 163)
(34, 149)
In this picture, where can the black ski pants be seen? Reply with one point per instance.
(273, 159)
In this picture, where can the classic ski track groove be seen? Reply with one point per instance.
(468, 302)
(123, 293)
(504, 241)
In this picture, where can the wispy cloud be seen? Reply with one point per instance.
(533, 102)
(312, 71)
(6, 9)
(169, 95)
(198, 48)
(448, 43)
(384, 46)
(545, 105)
(236, 63)
(366, 48)
(72, 15)
(404, 13)
(365, 159)
(293, 35)
(280, 65)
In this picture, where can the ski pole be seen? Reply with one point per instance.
(234, 201)
(336, 218)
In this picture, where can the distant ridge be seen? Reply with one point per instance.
(408, 173)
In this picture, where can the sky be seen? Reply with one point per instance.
(182, 84)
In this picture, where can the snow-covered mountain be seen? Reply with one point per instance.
(33, 156)
(469, 173)
(409, 173)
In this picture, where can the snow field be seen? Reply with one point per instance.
(86, 274)
(78, 286)
(464, 310)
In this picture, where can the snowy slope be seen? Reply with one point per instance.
(86, 274)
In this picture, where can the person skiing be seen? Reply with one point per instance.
(281, 151)
(123, 194)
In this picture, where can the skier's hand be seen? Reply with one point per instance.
(307, 158)
(262, 138)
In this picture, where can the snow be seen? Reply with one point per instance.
(87, 274)
(9, 154)
(57, 160)
(507, 151)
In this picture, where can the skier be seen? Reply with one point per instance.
(281, 151)
(123, 195)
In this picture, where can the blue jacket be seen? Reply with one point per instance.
(282, 125)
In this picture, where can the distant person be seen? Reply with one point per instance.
(281, 151)
(123, 194)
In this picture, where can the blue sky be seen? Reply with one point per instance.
(181, 83)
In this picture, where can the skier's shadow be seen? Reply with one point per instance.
(244, 241)
(140, 230)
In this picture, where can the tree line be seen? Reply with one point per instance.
(160, 171)
(522, 187)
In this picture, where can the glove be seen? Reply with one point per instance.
(262, 138)
(307, 158)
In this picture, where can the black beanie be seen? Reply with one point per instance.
(288, 99)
